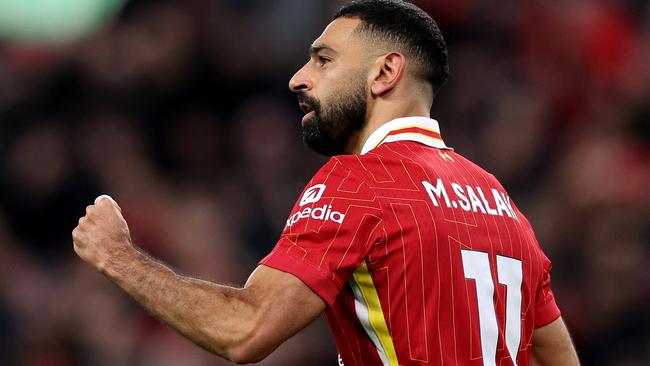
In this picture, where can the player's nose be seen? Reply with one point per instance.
(301, 82)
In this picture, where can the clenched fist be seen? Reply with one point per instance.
(102, 234)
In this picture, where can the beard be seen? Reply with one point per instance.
(329, 130)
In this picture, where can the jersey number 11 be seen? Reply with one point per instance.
(509, 273)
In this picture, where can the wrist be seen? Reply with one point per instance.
(119, 261)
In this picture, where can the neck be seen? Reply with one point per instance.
(387, 112)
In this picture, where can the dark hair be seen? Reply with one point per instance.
(407, 27)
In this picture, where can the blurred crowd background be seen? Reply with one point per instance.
(180, 110)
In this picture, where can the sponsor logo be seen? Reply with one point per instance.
(341, 360)
(324, 213)
(312, 194)
(445, 156)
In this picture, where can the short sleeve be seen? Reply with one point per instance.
(330, 231)
(546, 310)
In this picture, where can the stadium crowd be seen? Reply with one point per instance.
(180, 111)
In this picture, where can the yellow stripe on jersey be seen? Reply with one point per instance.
(369, 312)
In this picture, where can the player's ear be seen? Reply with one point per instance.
(388, 71)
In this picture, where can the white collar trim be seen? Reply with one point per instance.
(420, 129)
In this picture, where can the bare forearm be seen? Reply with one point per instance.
(212, 316)
(552, 346)
(242, 325)
(555, 358)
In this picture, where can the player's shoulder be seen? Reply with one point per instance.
(368, 168)
(387, 162)
(349, 167)
(340, 178)
(471, 168)
(345, 172)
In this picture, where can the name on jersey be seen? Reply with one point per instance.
(470, 198)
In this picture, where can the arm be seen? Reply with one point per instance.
(552, 346)
(240, 324)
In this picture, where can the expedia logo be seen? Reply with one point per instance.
(319, 213)
(312, 194)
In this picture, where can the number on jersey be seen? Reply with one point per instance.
(476, 266)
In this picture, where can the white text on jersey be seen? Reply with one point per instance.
(470, 198)
(319, 213)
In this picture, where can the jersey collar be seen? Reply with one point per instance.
(421, 129)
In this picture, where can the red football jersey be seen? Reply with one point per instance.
(420, 255)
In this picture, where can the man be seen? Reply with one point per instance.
(416, 255)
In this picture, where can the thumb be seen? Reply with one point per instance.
(105, 199)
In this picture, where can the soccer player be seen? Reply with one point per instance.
(415, 255)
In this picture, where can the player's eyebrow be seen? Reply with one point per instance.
(314, 50)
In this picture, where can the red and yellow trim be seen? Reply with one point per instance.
(420, 129)
(416, 130)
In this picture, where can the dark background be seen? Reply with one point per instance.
(180, 110)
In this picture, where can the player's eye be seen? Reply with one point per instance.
(322, 60)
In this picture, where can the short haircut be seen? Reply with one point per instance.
(409, 29)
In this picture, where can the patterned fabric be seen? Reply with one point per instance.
(421, 256)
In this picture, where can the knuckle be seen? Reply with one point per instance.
(78, 232)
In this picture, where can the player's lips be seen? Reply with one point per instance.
(307, 116)
(309, 112)
(305, 107)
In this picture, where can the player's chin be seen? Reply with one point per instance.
(310, 131)
(319, 141)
